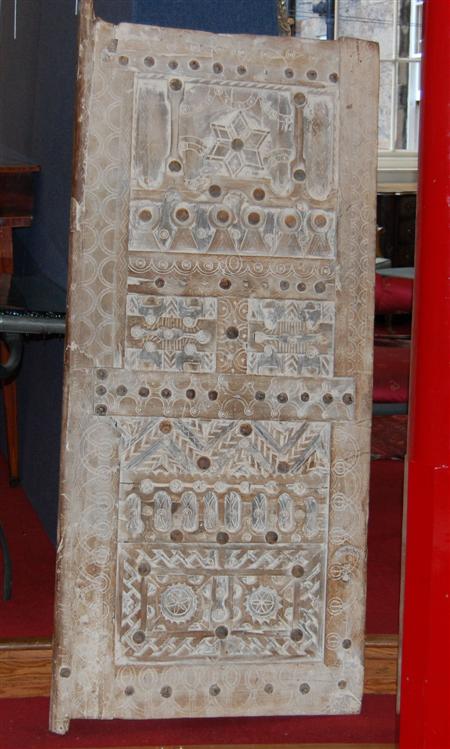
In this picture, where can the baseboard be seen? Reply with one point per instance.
(25, 670)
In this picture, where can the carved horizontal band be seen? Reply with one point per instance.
(124, 392)
(232, 276)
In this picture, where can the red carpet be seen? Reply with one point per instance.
(30, 612)
(26, 728)
(389, 436)
(384, 544)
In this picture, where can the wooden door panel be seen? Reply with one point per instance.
(217, 393)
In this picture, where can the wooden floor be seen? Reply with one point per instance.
(25, 667)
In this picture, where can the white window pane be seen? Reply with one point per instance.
(385, 106)
(369, 19)
(408, 105)
(309, 25)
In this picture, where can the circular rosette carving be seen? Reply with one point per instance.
(178, 603)
(263, 604)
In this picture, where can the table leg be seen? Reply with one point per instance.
(12, 435)
(6, 249)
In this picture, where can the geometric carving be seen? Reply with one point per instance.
(267, 611)
(283, 450)
(217, 403)
(123, 392)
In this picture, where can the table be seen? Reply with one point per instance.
(16, 210)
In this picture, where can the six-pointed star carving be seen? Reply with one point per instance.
(238, 145)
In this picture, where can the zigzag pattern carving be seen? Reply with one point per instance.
(283, 449)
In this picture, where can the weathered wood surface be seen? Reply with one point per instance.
(25, 667)
(217, 394)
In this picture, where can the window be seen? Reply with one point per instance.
(397, 26)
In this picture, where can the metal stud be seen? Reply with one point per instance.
(296, 635)
(123, 60)
(144, 392)
(175, 166)
(159, 283)
(268, 688)
(129, 691)
(166, 692)
(289, 73)
(176, 536)
(301, 286)
(320, 220)
(102, 374)
(139, 636)
(342, 684)
(284, 285)
(241, 69)
(319, 287)
(203, 463)
(232, 332)
(259, 395)
(121, 390)
(254, 218)
(290, 221)
(182, 214)
(327, 398)
(297, 570)
(348, 399)
(165, 427)
(237, 144)
(100, 410)
(212, 395)
(221, 632)
(172, 64)
(190, 393)
(222, 538)
(224, 283)
(346, 644)
(215, 191)
(304, 397)
(304, 688)
(246, 429)
(311, 75)
(217, 67)
(149, 61)
(214, 690)
(64, 672)
(259, 194)
(194, 64)
(222, 216)
(145, 215)
(166, 393)
(282, 397)
(283, 467)
(300, 99)
(144, 569)
(100, 390)
(333, 77)
(299, 175)
(271, 537)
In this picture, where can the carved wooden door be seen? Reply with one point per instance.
(212, 545)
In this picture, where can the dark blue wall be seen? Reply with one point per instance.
(37, 77)
(221, 16)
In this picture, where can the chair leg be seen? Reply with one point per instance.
(12, 435)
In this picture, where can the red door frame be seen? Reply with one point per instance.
(425, 694)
